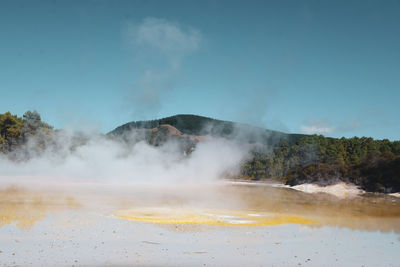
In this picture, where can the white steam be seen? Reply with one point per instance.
(160, 48)
(165, 35)
(103, 159)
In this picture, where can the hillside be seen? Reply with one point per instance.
(292, 158)
(373, 165)
(200, 126)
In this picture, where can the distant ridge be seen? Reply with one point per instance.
(200, 126)
(373, 165)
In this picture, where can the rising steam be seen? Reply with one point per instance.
(100, 158)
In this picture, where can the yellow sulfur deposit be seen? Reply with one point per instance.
(209, 217)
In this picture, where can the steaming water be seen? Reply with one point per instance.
(217, 224)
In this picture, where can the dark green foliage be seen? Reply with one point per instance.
(316, 173)
(15, 131)
(10, 131)
(380, 172)
(34, 129)
(198, 125)
(33, 123)
(296, 158)
(372, 164)
(188, 124)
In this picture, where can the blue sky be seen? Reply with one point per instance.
(330, 67)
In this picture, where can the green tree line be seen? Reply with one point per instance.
(369, 163)
(15, 131)
(372, 164)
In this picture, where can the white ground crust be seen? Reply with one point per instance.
(341, 190)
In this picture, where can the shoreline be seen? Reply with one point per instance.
(340, 189)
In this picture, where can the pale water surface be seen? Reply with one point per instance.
(80, 224)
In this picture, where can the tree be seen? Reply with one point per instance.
(10, 131)
(32, 124)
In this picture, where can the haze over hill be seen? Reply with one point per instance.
(293, 158)
(203, 126)
(198, 149)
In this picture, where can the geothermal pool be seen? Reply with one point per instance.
(223, 224)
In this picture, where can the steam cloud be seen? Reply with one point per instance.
(104, 159)
(165, 44)
(170, 38)
(325, 127)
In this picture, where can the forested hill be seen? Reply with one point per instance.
(200, 126)
(374, 165)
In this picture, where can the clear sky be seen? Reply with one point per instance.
(329, 67)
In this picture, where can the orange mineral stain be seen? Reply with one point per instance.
(25, 208)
